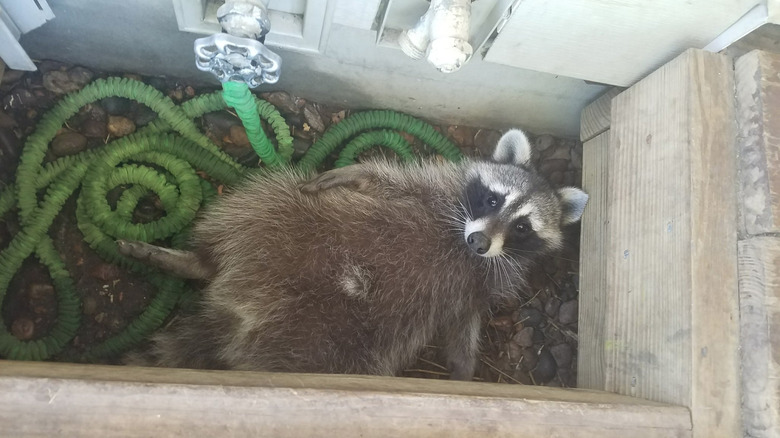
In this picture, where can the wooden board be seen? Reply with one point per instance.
(611, 42)
(43, 399)
(758, 114)
(596, 117)
(593, 290)
(672, 311)
(759, 293)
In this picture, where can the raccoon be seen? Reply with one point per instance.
(355, 270)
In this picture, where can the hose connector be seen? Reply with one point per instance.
(441, 35)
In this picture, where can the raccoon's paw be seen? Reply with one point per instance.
(351, 177)
(184, 264)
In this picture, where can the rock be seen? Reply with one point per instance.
(50, 65)
(105, 272)
(80, 76)
(189, 91)
(95, 112)
(576, 158)
(283, 102)
(23, 329)
(462, 136)
(94, 129)
(157, 82)
(502, 323)
(68, 143)
(238, 136)
(524, 337)
(11, 76)
(561, 151)
(59, 82)
(132, 77)
(547, 167)
(6, 121)
(543, 142)
(569, 178)
(143, 115)
(562, 354)
(485, 141)
(146, 211)
(40, 291)
(545, 367)
(514, 352)
(219, 122)
(551, 307)
(10, 146)
(116, 106)
(568, 312)
(312, 117)
(120, 126)
(19, 98)
(530, 317)
(557, 178)
(89, 306)
(300, 146)
(539, 337)
(529, 359)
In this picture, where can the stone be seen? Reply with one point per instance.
(530, 317)
(143, 115)
(10, 146)
(120, 126)
(40, 291)
(6, 121)
(68, 143)
(551, 307)
(561, 151)
(485, 141)
(19, 98)
(502, 323)
(568, 312)
(300, 146)
(557, 178)
(23, 329)
(283, 101)
(312, 117)
(562, 353)
(514, 352)
(529, 359)
(238, 136)
(59, 82)
(569, 178)
(105, 272)
(543, 142)
(94, 128)
(116, 106)
(80, 76)
(547, 167)
(524, 337)
(576, 158)
(463, 136)
(545, 367)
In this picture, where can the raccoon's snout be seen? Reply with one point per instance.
(478, 242)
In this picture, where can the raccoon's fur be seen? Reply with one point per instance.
(355, 270)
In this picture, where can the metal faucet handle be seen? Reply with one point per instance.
(233, 58)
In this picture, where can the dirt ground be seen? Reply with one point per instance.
(528, 340)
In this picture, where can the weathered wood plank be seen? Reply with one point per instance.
(672, 313)
(40, 399)
(758, 115)
(759, 295)
(593, 290)
(596, 117)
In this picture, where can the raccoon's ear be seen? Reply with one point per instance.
(573, 201)
(513, 148)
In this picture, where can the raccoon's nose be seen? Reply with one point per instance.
(478, 242)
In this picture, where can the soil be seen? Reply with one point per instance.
(528, 340)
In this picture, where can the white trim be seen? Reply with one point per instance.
(752, 20)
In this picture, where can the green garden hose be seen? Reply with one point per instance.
(161, 158)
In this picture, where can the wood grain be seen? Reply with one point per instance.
(759, 294)
(758, 115)
(593, 290)
(596, 117)
(40, 399)
(672, 312)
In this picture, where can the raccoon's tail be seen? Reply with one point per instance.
(184, 264)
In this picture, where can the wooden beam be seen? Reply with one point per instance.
(44, 399)
(596, 117)
(593, 281)
(758, 114)
(672, 311)
(759, 292)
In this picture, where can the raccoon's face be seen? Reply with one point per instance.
(510, 210)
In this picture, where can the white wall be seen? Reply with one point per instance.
(141, 36)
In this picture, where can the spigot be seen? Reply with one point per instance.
(239, 54)
(441, 35)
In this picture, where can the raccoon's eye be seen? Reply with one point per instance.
(492, 200)
(523, 227)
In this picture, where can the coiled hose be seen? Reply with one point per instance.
(172, 143)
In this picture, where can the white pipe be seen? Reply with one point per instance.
(442, 33)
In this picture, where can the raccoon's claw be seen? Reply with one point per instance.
(183, 264)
